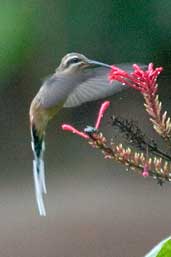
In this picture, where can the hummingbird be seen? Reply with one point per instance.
(76, 80)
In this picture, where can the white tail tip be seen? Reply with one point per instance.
(40, 187)
(42, 176)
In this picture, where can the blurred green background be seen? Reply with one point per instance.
(36, 34)
(94, 208)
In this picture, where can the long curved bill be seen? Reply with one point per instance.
(96, 63)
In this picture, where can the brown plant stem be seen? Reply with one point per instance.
(157, 168)
(135, 137)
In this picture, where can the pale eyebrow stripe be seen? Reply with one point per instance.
(70, 58)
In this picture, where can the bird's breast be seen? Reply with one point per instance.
(40, 116)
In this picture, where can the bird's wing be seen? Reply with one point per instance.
(97, 86)
(55, 90)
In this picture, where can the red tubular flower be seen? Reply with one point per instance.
(146, 83)
(74, 131)
(102, 110)
(143, 81)
(85, 134)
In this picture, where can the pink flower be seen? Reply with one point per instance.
(145, 172)
(143, 81)
(85, 134)
(74, 131)
(102, 110)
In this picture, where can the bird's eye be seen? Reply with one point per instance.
(74, 60)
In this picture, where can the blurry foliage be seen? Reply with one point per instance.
(36, 34)
(16, 36)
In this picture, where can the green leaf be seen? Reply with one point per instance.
(163, 249)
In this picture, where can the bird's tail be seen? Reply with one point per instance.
(38, 147)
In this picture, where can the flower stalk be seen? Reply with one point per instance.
(149, 160)
(146, 83)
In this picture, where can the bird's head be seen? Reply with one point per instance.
(73, 62)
